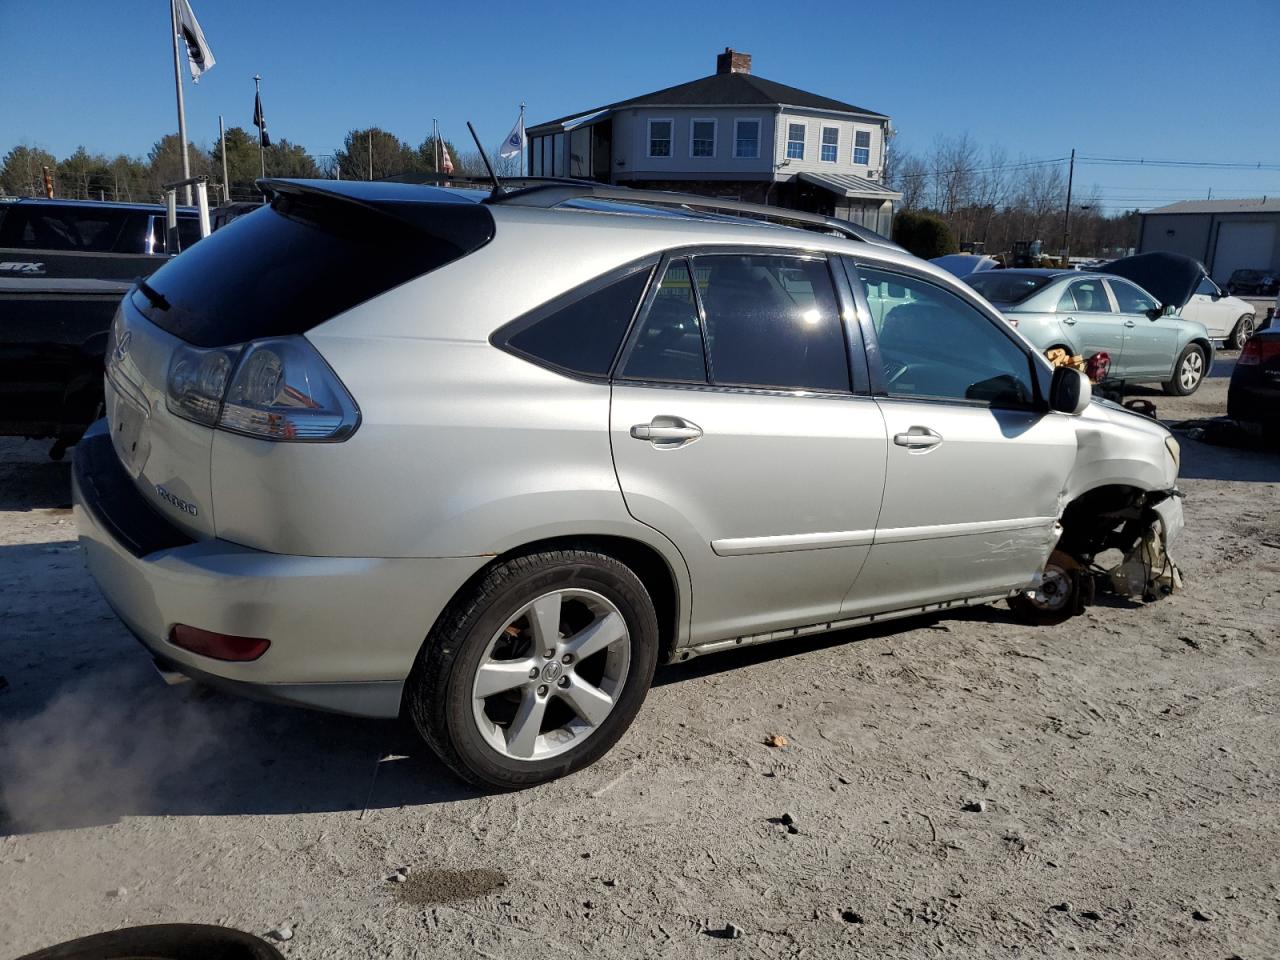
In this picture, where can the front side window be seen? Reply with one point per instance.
(746, 139)
(579, 332)
(659, 138)
(830, 144)
(1089, 297)
(1130, 299)
(795, 141)
(702, 138)
(772, 321)
(935, 345)
(669, 345)
(862, 147)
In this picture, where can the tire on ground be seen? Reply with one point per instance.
(1174, 387)
(438, 694)
(1241, 332)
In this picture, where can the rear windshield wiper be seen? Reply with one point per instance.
(157, 299)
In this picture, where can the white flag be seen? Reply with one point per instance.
(445, 163)
(513, 146)
(199, 56)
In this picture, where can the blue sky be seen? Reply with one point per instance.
(1162, 79)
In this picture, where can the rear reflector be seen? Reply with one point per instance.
(219, 646)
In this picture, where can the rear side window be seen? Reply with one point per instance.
(772, 321)
(288, 267)
(579, 332)
(1130, 298)
(669, 346)
(1090, 297)
(55, 227)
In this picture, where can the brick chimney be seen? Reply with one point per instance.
(731, 61)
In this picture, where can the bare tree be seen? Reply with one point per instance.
(910, 177)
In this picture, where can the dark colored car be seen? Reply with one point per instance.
(64, 267)
(1262, 283)
(1254, 395)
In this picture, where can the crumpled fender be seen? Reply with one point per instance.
(1117, 446)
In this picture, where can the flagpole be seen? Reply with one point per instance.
(226, 182)
(262, 150)
(523, 139)
(182, 109)
(435, 142)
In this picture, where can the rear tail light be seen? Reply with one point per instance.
(1258, 350)
(219, 646)
(276, 389)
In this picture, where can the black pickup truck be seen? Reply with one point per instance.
(64, 267)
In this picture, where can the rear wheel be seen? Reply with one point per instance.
(1188, 372)
(1242, 331)
(537, 670)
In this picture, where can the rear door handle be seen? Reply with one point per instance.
(665, 431)
(1070, 321)
(918, 438)
(1128, 323)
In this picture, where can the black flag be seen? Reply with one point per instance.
(260, 121)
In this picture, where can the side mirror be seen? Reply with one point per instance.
(1069, 391)
(1155, 313)
(1170, 311)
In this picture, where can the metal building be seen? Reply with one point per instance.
(1224, 235)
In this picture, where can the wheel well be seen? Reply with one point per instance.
(1089, 521)
(1204, 345)
(645, 562)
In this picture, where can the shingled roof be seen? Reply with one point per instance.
(726, 89)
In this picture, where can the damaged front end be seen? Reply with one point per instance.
(1139, 525)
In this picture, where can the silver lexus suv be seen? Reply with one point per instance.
(487, 460)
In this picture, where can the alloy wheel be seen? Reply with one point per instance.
(1192, 370)
(551, 675)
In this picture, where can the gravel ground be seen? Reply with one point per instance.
(961, 786)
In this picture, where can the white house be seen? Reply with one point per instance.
(732, 134)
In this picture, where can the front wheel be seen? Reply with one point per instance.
(1242, 331)
(1188, 372)
(537, 670)
(1063, 591)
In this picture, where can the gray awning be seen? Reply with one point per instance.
(849, 186)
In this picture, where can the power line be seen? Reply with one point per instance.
(1193, 164)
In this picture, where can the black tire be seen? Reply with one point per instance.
(1175, 387)
(438, 693)
(1074, 591)
(164, 941)
(1241, 332)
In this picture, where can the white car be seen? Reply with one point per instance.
(1227, 318)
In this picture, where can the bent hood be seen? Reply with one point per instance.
(1169, 277)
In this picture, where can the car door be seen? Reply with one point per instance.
(1210, 306)
(976, 462)
(1150, 338)
(738, 434)
(1090, 320)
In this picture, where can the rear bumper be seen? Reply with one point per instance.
(1254, 398)
(344, 631)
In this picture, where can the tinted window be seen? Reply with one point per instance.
(669, 345)
(772, 322)
(188, 234)
(1090, 296)
(934, 344)
(1130, 299)
(581, 333)
(288, 267)
(56, 227)
(1000, 287)
(1206, 288)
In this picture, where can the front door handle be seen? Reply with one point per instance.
(918, 438)
(665, 431)
(1128, 323)
(1070, 321)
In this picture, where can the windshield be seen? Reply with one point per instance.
(999, 287)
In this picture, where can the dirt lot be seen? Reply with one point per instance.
(1127, 766)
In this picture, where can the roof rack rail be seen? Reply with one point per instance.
(552, 192)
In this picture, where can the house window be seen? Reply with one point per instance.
(830, 144)
(659, 138)
(862, 147)
(746, 139)
(795, 141)
(702, 138)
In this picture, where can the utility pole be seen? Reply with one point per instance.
(1066, 218)
(226, 182)
(182, 109)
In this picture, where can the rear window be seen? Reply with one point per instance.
(288, 267)
(55, 227)
(1001, 287)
